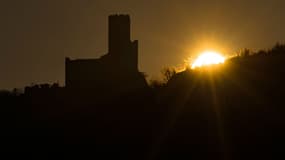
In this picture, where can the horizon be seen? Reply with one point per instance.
(51, 31)
(143, 80)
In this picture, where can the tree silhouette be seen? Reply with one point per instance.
(235, 111)
(168, 73)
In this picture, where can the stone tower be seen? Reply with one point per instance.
(116, 70)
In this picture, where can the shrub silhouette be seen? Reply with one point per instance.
(234, 111)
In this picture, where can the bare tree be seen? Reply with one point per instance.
(168, 73)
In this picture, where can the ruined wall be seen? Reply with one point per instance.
(117, 69)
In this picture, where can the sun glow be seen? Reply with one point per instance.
(208, 58)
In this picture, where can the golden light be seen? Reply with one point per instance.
(208, 58)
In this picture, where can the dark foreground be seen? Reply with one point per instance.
(234, 111)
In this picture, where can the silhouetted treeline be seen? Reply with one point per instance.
(230, 111)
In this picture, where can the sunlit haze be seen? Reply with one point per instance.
(208, 58)
(36, 35)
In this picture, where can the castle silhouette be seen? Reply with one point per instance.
(116, 71)
(235, 111)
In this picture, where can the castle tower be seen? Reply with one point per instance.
(121, 47)
(119, 33)
(113, 70)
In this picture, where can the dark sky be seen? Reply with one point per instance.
(36, 35)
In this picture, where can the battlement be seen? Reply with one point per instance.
(119, 19)
(120, 16)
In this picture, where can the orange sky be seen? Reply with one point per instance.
(37, 35)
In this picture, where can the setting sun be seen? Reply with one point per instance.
(208, 58)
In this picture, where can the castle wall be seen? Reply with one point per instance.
(117, 69)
